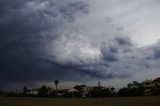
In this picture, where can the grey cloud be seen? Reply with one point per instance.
(53, 39)
(110, 55)
(156, 53)
(26, 27)
(119, 45)
(123, 41)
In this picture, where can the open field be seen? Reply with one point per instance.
(118, 101)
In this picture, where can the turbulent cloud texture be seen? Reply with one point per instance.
(53, 39)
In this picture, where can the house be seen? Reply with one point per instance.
(62, 92)
(83, 90)
(72, 90)
(32, 92)
(134, 85)
(157, 82)
(86, 91)
(148, 85)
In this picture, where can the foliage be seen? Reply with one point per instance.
(123, 92)
(25, 89)
(156, 91)
(100, 92)
(130, 92)
(79, 87)
(56, 83)
(43, 91)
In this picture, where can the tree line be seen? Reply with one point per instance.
(79, 91)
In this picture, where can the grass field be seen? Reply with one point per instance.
(118, 101)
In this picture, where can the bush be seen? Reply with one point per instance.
(130, 92)
(156, 91)
(98, 92)
(43, 91)
(123, 92)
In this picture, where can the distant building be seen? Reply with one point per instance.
(62, 92)
(72, 90)
(148, 85)
(86, 91)
(33, 91)
(134, 85)
(157, 82)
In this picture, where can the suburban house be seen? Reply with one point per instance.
(72, 90)
(157, 82)
(148, 86)
(86, 91)
(32, 92)
(134, 84)
(62, 92)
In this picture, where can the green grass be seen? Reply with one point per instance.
(117, 101)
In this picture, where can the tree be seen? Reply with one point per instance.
(0, 90)
(123, 92)
(156, 91)
(79, 87)
(56, 82)
(130, 92)
(100, 92)
(135, 92)
(25, 89)
(112, 89)
(43, 91)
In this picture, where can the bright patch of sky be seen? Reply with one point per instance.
(139, 17)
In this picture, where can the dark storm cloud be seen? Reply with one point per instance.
(26, 27)
(30, 17)
(120, 44)
(99, 68)
(123, 41)
(78, 71)
(111, 54)
(156, 53)
(42, 41)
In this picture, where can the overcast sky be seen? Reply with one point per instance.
(79, 42)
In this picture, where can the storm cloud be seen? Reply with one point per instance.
(66, 40)
(26, 27)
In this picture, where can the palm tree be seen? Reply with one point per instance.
(56, 82)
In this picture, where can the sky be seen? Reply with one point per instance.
(78, 42)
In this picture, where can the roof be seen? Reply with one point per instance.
(72, 90)
(157, 79)
(147, 81)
